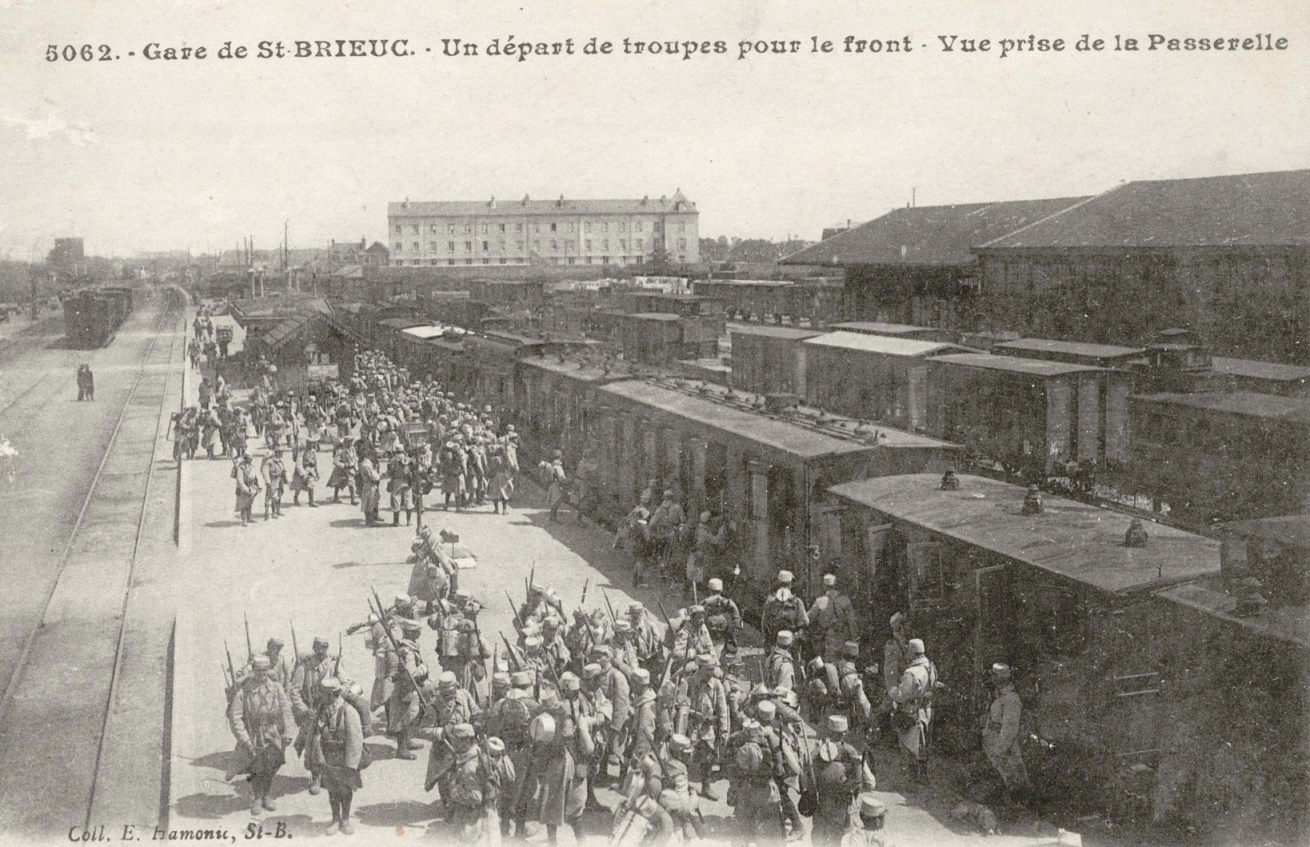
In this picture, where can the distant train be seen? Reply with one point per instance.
(93, 315)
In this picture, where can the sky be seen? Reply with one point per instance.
(136, 154)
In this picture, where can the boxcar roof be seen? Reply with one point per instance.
(1015, 364)
(402, 323)
(883, 344)
(1078, 541)
(787, 332)
(788, 437)
(1286, 623)
(1245, 403)
(1293, 530)
(880, 328)
(1072, 348)
(663, 317)
(573, 368)
(1274, 371)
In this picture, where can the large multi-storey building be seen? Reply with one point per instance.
(544, 232)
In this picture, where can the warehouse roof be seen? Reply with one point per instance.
(882, 344)
(1246, 403)
(928, 235)
(425, 331)
(1078, 541)
(783, 435)
(1015, 364)
(402, 323)
(880, 328)
(1244, 209)
(1073, 349)
(509, 208)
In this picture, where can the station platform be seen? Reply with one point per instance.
(316, 568)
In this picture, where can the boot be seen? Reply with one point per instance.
(409, 517)
(706, 785)
(256, 801)
(295, 500)
(311, 500)
(403, 750)
(315, 786)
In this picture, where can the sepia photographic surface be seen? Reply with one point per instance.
(617, 423)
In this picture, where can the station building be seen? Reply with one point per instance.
(543, 232)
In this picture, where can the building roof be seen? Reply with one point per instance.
(526, 206)
(1251, 369)
(426, 331)
(1219, 211)
(284, 332)
(787, 332)
(928, 235)
(402, 323)
(756, 283)
(1245, 403)
(1014, 364)
(575, 369)
(885, 345)
(782, 435)
(1078, 541)
(1072, 348)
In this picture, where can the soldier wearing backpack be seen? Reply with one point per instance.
(783, 610)
(753, 790)
(841, 773)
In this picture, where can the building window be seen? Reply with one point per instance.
(604, 260)
(536, 227)
(450, 229)
(682, 226)
(682, 244)
(518, 245)
(570, 260)
(552, 227)
(554, 245)
(468, 261)
(502, 227)
(398, 229)
(450, 261)
(568, 227)
(432, 261)
(468, 246)
(486, 261)
(518, 227)
(587, 245)
(589, 260)
(468, 228)
(503, 261)
(536, 245)
(587, 227)
(623, 226)
(502, 247)
(414, 229)
(605, 244)
(605, 227)
(450, 246)
(637, 226)
(641, 243)
(415, 246)
(400, 248)
(434, 229)
(623, 244)
(484, 229)
(486, 245)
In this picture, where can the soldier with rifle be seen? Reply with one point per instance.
(708, 721)
(306, 682)
(260, 718)
(407, 703)
(842, 773)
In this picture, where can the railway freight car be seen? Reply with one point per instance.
(93, 315)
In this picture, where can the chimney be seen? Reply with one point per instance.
(645, 200)
(492, 204)
(560, 202)
(1032, 501)
(525, 199)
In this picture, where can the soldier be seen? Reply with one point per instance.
(666, 524)
(453, 704)
(260, 718)
(780, 669)
(722, 619)
(614, 685)
(692, 638)
(851, 697)
(280, 669)
(305, 476)
(369, 497)
(642, 820)
(783, 610)
(306, 681)
(841, 773)
(675, 788)
(508, 718)
(704, 558)
(708, 722)
(645, 638)
(556, 482)
(247, 487)
(788, 771)
(345, 469)
(400, 489)
(335, 750)
(553, 789)
(912, 718)
(403, 710)
(868, 832)
(453, 464)
(641, 721)
(832, 621)
(633, 535)
(624, 649)
(754, 789)
(500, 686)
(274, 473)
(1000, 733)
(472, 791)
(557, 653)
(594, 703)
(895, 658)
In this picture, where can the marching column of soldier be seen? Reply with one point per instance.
(524, 727)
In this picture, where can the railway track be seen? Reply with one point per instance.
(58, 701)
